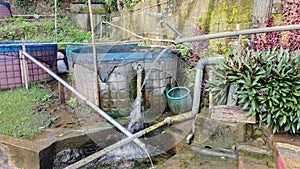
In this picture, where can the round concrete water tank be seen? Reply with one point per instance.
(118, 76)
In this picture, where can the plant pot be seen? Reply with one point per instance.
(179, 100)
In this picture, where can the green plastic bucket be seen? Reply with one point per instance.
(179, 100)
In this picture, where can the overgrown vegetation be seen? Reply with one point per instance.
(24, 112)
(267, 76)
(190, 52)
(43, 30)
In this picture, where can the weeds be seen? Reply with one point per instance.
(24, 112)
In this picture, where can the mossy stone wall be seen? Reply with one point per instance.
(212, 16)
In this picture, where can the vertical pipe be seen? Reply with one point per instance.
(139, 89)
(197, 90)
(95, 55)
(210, 94)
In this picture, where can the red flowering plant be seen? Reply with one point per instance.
(290, 14)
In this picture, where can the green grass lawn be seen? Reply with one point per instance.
(23, 112)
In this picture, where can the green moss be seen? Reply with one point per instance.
(83, 8)
(257, 156)
(225, 16)
(205, 22)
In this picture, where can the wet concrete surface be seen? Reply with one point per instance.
(190, 159)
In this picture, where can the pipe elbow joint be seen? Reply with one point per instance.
(169, 120)
(202, 62)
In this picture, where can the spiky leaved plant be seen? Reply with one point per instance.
(268, 86)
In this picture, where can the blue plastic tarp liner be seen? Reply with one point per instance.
(6, 4)
(41, 51)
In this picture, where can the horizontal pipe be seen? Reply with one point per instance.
(216, 152)
(238, 32)
(88, 102)
(168, 120)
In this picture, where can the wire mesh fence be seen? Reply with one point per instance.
(10, 69)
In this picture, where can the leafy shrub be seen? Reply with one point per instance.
(268, 86)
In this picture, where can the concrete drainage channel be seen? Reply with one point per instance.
(45, 151)
(62, 147)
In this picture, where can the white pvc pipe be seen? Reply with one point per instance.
(238, 32)
(88, 102)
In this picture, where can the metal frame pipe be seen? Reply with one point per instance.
(237, 32)
(88, 102)
(167, 120)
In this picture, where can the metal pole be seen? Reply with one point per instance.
(168, 120)
(173, 29)
(88, 102)
(238, 32)
(95, 55)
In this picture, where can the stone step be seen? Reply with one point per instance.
(287, 156)
(254, 156)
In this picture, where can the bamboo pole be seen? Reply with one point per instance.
(24, 68)
(168, 120)
(62, 97)
(95, 55)
(55, 20)
(88, 102)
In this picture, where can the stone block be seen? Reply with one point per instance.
(218, 133)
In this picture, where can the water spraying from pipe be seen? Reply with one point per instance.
(137, 120)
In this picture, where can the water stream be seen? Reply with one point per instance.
(123, 155)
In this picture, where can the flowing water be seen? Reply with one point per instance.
(127, 155)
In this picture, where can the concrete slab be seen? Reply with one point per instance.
(252, 156)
